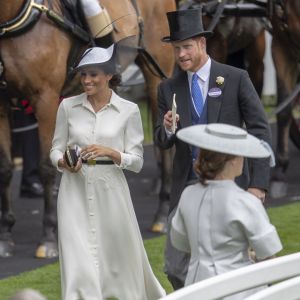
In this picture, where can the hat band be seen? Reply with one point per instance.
(237, 136)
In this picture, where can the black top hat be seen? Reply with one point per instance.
(185, 24)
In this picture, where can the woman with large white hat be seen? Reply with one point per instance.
(216, 221)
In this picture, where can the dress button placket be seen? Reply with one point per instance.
(92, 225)
(91, 203)
(94, 130)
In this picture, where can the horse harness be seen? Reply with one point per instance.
(31, 13)
(33, 9)
(27, 18)
(280, 12)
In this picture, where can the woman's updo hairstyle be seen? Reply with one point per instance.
(210, 163)
(116, 79)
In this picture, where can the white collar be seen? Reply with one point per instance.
(203, 72)
(114, 101)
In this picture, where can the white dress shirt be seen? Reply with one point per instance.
(203, 75)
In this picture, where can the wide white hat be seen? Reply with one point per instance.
(225, 138)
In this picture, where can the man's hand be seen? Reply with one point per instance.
(260, 194)
(168, 120)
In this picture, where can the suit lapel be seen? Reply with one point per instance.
(180, 87)
(214, 103)
(182, 91)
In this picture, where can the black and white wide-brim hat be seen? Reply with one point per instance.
(95, 56)
(116, 57)
(226, 139)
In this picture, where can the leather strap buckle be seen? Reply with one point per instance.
(91, 162)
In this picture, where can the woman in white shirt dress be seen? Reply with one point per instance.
(100, 246)
(216, 221)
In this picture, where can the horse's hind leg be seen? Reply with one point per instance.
(254, 56)
(286, 75)
(155, 27)
(163, 157)
(165, 167)
(6, 170)
(45, 111)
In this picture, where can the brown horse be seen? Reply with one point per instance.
(250, 45)
(35, 68)
(239, 41)
(286, 56)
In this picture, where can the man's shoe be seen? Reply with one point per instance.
(32, 191)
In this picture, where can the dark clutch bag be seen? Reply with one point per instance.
(71, 157)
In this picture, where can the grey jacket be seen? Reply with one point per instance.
(214, 223)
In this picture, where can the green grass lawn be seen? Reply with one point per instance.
(46, 279)
(147, 122)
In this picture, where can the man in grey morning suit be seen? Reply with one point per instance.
(228, 96)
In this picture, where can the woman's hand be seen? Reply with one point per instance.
(63, 164)
(94, 151)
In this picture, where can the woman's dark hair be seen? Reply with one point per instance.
(115, 81)
(116, 78)
(210, 163)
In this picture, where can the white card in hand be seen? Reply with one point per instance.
(174, 109)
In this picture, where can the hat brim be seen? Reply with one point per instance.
(95, 57)
(91, 65)
(169, 39)
(114, 58)
(224, 138)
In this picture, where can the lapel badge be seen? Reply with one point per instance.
(219, 80)
(214, 92)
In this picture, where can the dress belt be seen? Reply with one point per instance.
(92, 162)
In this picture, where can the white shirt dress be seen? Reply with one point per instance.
(100, 246)
(217, 224)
